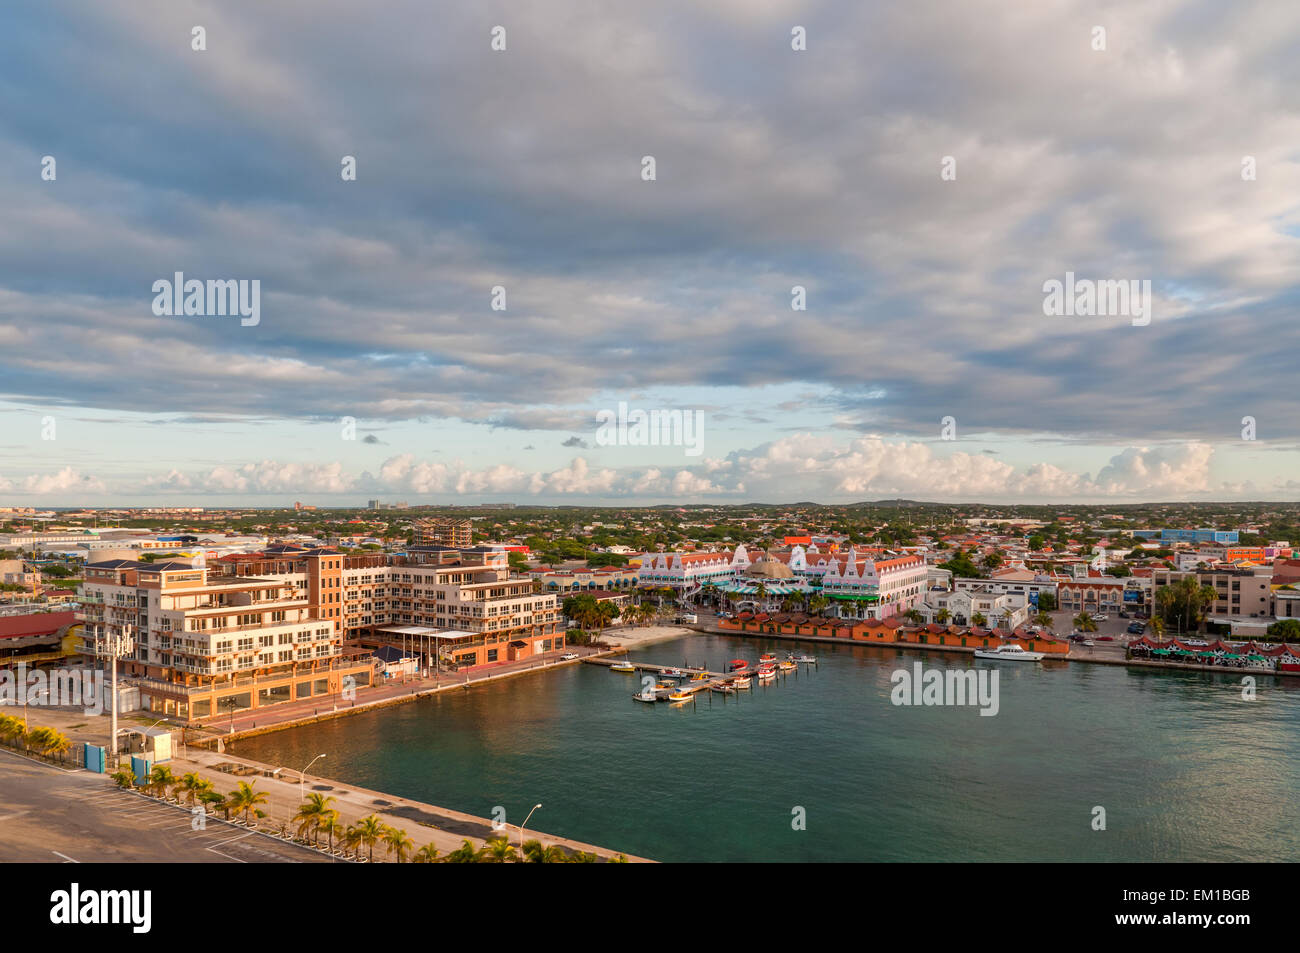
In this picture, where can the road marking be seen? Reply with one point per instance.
(66, 858)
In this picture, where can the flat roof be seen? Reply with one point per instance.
(427, 631)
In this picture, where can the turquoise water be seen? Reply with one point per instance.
(1184, 768)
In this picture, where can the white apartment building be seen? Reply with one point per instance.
(197, 640)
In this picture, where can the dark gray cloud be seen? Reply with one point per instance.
(520, 169)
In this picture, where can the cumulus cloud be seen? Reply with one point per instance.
(801, 466)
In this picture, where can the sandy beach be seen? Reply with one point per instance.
(634, 637)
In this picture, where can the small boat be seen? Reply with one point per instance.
(737, 665)
(673, 673)
(680, 696)
(623, 666)
(741, 684)
(700, 677)
(722, 688)
(787, 666)
(651, 697)
(1013, 652)
(766, 673)
(766, 657)
(806, 659)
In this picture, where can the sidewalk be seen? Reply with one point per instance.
(423, 823)
(394, 691)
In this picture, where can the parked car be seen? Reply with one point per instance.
(1137, 628)
(1101, 617)
(1105, 638)
(1124, 615)
(568, 656)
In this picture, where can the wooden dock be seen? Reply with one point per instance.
(690, 685)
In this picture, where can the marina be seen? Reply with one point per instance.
(701, 680)
(944, 783)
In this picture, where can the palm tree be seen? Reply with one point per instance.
(350, 839)
(245, 799)
(500, 851)
(194, 786)
(123, 778)
(161, 780)
(217, 802)
(942, 616)
(913, 616)
(1158, 627)
(1044, 619)
(979, 619)
(1085, 623)
(311, 813)
(369, 832)
(396, 842)
(428, 854)
(466, 853)
(331, 825)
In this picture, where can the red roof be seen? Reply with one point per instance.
(37, 623)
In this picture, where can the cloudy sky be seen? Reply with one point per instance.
(379, 368)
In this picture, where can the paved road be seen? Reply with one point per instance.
(49, 815)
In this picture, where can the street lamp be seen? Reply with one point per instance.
(521, 832)
(145, 734)
(302, 776)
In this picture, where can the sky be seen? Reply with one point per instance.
(922, 171)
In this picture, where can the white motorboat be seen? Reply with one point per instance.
(1013, 652)
(650, 696)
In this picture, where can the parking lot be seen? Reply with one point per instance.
(49, 815)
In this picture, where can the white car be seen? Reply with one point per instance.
(568, 656)
(1100, 618)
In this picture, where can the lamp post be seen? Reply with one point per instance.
(302, 776)
(145, 734)
(521, 832)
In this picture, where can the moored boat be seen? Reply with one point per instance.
(767, 657)
(737, 665)
(623, 666)
(766, 673)
(1012, 652)
(787, 666)
(647, 696)
(680, 696)
(806, 659)
(741, 684)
